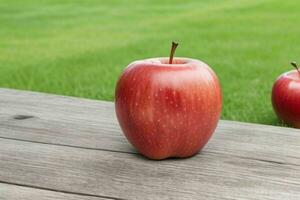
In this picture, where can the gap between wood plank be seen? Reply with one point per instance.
(66, 145)
(257, 159)
(60, 191)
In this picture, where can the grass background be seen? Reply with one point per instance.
(79, 48)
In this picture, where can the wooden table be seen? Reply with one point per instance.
(55, 147)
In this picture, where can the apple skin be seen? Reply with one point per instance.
(168, 110)
(286, 98)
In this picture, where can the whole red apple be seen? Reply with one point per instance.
(168, 108)
(286, 97)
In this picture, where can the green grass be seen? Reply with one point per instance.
(79, 48)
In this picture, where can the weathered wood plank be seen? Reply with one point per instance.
(92, 124)
(129, 176)
(13, 192)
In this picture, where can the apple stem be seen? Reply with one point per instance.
(173, 48)
(294, 64)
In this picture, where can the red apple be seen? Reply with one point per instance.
(168, 108)
(286, 97)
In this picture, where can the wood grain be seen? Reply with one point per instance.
(76, 145)
(14, 192)
(129, 176)
(92, 124)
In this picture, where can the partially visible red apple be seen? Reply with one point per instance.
(168, 108)
(286, 97)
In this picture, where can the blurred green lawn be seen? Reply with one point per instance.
(79, 48)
